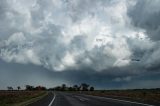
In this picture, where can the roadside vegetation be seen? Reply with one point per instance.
(17, 97)
(81, 87)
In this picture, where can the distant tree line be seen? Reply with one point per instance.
(81, 87)
(63, 87)
(27, 87)
(10, 88)
(31, 88)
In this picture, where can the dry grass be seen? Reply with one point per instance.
(8, 98)
(141, 94)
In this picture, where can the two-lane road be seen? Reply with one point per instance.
(72, 99)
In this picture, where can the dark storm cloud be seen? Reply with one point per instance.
(14, 74)
(146, 14)
(90, 41)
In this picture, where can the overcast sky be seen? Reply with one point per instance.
(106, 43)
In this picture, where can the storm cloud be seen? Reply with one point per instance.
(145, 14)
(107, 40)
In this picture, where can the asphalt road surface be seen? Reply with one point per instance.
(71, 99)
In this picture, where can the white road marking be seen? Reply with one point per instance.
(82, 98)
(122, 100)
(52, 100)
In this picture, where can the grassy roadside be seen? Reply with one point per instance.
(143, 95)
(32, 100)
(20, 98)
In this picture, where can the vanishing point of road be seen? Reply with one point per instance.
(73, 99)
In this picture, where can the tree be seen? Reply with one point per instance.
(84, 87)
(10, 88)
(75, 87)
(70, 89)
(18, 87)
(40, 88)
(63, 87)
(91, 88)
(29, 87)
(58, 88)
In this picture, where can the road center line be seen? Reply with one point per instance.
(52, 100)
(82, 98)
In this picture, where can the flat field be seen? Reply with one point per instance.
(149, 95)
(19, 98)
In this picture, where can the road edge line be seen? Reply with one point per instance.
(52, 100)
(122, 100)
